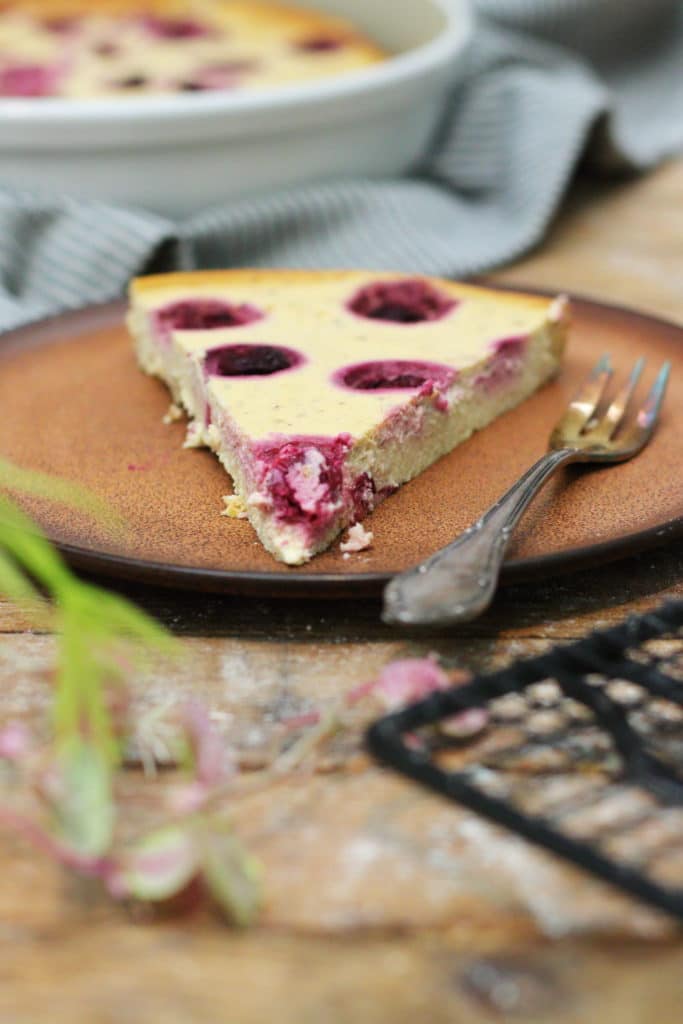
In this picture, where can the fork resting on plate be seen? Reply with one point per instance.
(458, 582)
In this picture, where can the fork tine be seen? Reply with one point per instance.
(648, 414)
(615, 414)
(584, 404)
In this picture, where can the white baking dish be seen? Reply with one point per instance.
(179, 154)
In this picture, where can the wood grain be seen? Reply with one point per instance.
(378, 909)
(617, 242)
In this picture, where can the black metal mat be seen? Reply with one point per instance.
(583, 753)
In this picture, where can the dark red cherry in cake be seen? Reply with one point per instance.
(250, 360)
(205, 315)
(394, 373)
(174, 28)
(401, 302)
(320, 44)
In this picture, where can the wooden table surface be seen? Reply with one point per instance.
(382, 903)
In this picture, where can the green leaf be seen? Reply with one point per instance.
(126, 620)
(15, 584)
(159, 867)
(103, 637)
(64, 492)
(27, 545)
(232, 876)
(84, 809)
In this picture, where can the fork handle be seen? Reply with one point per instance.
(459, 581)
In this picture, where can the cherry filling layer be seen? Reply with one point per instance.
(363, 495)
(507, 363)
(390, 374)
(202, 315)
(301, 479)
(131, 82)
(401, 302)
(174, 28)
(250, 360)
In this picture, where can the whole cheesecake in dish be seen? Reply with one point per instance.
(323, 392)
(94, 48)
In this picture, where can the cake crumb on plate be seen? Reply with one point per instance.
(358, 539)
(234, 507)
(173, 414)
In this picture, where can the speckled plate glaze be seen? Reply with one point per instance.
(74, 403)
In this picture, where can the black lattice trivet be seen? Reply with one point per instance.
(583, 754)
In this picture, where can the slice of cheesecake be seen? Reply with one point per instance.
(322, 392)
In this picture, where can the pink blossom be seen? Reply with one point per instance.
(15, 741)
(412, 679)
(408, 680)
(188, 799)
(212, 762)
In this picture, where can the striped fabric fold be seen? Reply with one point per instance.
(59, 253)
(541, 74)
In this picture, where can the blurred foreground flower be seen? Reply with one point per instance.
(102, 641)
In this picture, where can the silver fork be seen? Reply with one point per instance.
(458, 582)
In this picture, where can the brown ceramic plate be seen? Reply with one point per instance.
(74, 403)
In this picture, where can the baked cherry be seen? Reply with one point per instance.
(401, 302)
(219, 75)
(506, 364)
(106, 49)
(27, 80)
(237, 66)
(320, 44)
(174, 28)
(132, 82)
(60, 25)
(204, 315)
(249, 360)
(394, 373)
(303, 477)
(363, 495)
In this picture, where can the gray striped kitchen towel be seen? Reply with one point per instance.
(546, 79)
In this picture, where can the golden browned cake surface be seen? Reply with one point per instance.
(81, 49)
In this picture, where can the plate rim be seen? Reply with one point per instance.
(273, 584)
(337, 585)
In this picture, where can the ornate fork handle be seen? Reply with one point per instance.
(458, 582)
